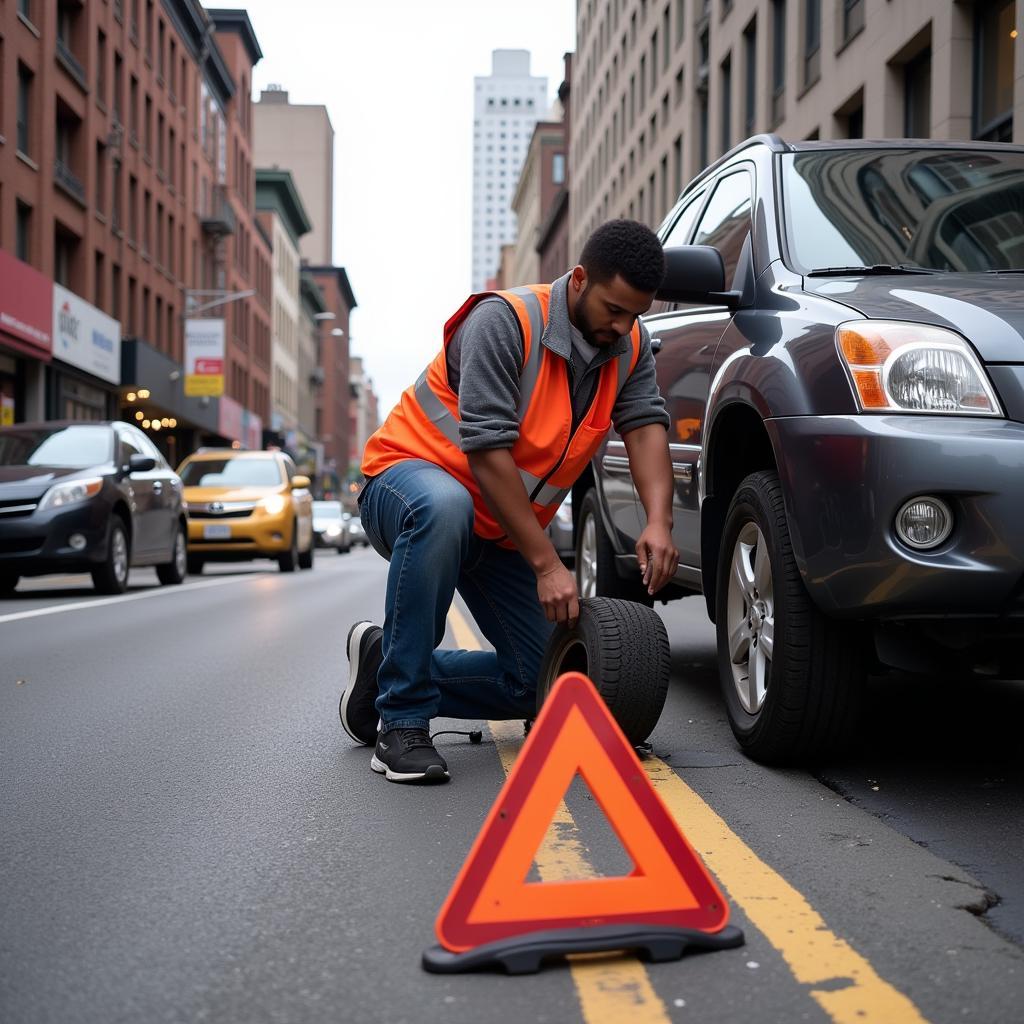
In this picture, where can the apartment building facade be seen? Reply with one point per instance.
(664, 87)
(121, 184)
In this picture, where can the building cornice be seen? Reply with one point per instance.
(328, 270)
(231, 20)
(275, 191)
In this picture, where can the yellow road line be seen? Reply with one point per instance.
(841, 981)
(610, 989)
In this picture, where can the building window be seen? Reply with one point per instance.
(778, 61)
(750, 78)
(558, 169)
(917, 97)
(23, 231)
(115, 202)
(101, 178)
(853, 19)
(64, 249)
(101, 67)
(25, 9)
(118, 88)
(702, 151)
(24, 109)
(726, 103)
(994, 30)
(680, 21)
(812, 41)
(97, 282)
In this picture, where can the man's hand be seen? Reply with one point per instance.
(556, 588)
(657, 555)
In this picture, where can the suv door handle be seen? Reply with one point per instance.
(157, 487)
(656, 344)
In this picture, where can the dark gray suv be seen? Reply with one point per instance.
(840, 341)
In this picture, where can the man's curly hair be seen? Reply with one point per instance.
(627, 248)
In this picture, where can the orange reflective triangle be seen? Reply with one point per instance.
(491, 899)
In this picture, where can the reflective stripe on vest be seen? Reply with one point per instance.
(437, 412)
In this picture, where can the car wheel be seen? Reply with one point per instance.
(175, 570)
(623, 648)
(8, 582)
(194, 564)
(290, 559)
(111, 577)
(306, 557)
(595, 559)
(792, 678)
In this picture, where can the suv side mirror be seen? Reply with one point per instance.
(696, 273)
(141, 463)
(300, 482)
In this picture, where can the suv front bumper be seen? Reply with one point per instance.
(845, 478)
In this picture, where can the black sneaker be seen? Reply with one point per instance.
(356, 708)
(408, 755)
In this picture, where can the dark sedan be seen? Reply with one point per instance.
(87, 497)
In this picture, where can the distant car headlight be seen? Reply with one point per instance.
(274, 504)
(69, 493)
(905, 367)
(333, 530)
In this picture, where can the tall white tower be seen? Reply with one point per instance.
(508, 103)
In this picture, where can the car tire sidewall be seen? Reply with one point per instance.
(288, 562)
(105, 578)
(175, 571)
(607, 580)
(623, 648)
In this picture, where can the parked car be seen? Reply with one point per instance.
(245, 505)
(559, 530)
(840, 343)
(87, 497)
(356, 531)
(330, 526)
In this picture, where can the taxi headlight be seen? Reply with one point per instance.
(70, 492)
(273, 505)
(906, 367)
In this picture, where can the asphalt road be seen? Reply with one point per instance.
(186, 834)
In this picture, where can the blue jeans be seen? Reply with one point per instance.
(420, 518)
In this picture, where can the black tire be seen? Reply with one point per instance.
(290, 559)
(306, 557)
(174, 571)
(194, 564)
(111, 576)
(813, 678)
(623, 648)
(8, 582)
(599, 564)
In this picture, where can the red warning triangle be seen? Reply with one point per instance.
(491, 899)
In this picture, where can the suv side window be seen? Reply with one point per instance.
(726, 220)
(127, 446)
(680, 233)
(147, 447)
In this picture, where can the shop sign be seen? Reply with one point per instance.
(85, 336)
(26, 304)
(204, 357)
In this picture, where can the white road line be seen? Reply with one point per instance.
(101, 602)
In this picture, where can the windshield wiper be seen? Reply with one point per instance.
(877, 268)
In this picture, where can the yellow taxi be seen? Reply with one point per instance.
(244, 505)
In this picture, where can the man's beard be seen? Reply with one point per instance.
(599, 339)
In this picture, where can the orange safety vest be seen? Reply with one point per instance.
(425, 423)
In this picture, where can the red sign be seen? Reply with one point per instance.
(26, 307)
(209, 366)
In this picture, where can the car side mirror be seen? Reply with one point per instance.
(300, 483)
(696, 273)
(141, 463)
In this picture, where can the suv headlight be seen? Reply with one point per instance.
(69, 493)
(906, 367)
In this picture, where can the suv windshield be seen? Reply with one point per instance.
(76, 447)
(953, 210)
(231, 473)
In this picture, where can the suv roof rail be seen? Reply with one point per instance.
(773, 142)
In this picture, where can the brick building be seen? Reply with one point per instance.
(126, 178)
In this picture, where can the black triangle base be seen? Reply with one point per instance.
(525, 954)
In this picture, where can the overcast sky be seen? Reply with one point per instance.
(397, 79)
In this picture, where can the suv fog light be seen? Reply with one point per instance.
(76, 541)
(924, 523)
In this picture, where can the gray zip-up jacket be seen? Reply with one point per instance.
(485, 358)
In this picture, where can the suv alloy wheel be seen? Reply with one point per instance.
(791, 677)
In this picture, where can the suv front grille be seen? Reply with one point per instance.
(17, 507)
(216, 510)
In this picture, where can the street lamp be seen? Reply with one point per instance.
(324, 316)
